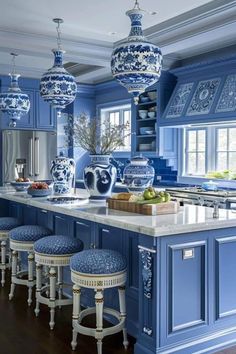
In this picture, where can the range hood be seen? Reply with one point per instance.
(205, 93)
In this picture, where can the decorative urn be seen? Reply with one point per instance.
(100, 177)
(14, 102)
(63, 172)
(136, 63)
(138, 174)
(57, 86)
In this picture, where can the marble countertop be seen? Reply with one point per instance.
(190, 218)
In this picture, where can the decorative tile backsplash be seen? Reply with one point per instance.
(179, 101)
(203, 97)
(227, 101)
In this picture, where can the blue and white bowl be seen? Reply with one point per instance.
(210, 186)
(39, 192)
(20, 186)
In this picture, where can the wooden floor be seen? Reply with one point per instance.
(22, 333)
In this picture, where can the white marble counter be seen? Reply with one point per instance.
(190, 218)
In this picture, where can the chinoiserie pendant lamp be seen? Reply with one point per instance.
(14, 102)
(136, 63)
(57, 86)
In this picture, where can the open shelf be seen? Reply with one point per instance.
(146, 119)
(147, 103)
(146, 136)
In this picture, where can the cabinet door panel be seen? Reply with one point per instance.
(82, 230)
(45, 114)
(16, 210)
(29, 215)
(61, 224)
(43, 218)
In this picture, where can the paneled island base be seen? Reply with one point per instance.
(181, 288)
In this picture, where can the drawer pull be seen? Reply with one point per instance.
(151, 250)
(188, 253)
(43, 211)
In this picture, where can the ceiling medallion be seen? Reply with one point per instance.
(14, 102)
(57, 86)
(136, 63)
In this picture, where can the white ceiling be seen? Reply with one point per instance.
(181, 28)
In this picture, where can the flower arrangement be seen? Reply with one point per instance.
(98, 137)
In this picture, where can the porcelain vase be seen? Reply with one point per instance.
(138, 174)
(100, 177)
(63, 172)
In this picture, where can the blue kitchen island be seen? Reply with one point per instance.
(181, 287)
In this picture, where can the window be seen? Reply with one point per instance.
(209, 149)
(226, 149)
(195, 152)
(120, 115)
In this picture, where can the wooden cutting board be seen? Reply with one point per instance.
(146, 209)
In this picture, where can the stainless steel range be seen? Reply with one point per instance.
(225, 199)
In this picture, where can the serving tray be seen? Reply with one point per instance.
(171, 207)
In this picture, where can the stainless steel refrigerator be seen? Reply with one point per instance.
(27, 154)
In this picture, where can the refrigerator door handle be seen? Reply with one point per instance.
(31, 157)
(36, 157)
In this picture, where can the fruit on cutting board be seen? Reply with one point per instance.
(149, 193)
(39, 185)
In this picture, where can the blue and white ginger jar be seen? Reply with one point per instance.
(100, 177)
(57, 86)
(63, 172)
(14, 102)
(138, 175)
(136, 63)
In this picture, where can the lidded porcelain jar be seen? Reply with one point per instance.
(138, 174)
(62, 171)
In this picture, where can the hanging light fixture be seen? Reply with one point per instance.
(14, 102)
(57, 86)
(136, 63)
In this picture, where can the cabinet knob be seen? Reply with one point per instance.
(92, 245)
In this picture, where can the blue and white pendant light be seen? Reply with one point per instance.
(136, 63)
(14, 102)
(57, 86)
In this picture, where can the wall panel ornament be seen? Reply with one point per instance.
(179, 101)
(146, 259)
(227, 101)
(203, 97)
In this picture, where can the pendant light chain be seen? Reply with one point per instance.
(136, 5)
(13, 61)
(59, 45)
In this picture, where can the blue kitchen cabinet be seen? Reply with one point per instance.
(16, 210)
(45, 114)
(83, 230)
(29, 215)
(61, 224)
(4, 207)
(44, 218)
(40, 116)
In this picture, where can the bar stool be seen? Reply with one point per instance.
(53, 251)
(22, 239)
(98, 269)
(6, 224)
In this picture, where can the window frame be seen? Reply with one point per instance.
(227, 151)
(197, 152)
(106, 109)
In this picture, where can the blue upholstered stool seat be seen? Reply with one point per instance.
(58, 245)
(98, 261)
(29, 233)
(8, 223)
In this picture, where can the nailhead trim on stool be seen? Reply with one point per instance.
(98, 269)
(6, 224)
(22, 239)
(54, 251)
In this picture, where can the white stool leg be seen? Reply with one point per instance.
(121, 291)
(3, 261)
(13, 273)
(76, 312)
(19, 262)
(99, 302)
(30, 276)
(52, 276)
(38, 286)
(59, 283)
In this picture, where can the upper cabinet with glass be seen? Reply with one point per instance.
(205, 93)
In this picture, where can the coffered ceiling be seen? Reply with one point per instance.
(181, 28)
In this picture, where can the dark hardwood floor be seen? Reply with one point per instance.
(22, 333)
